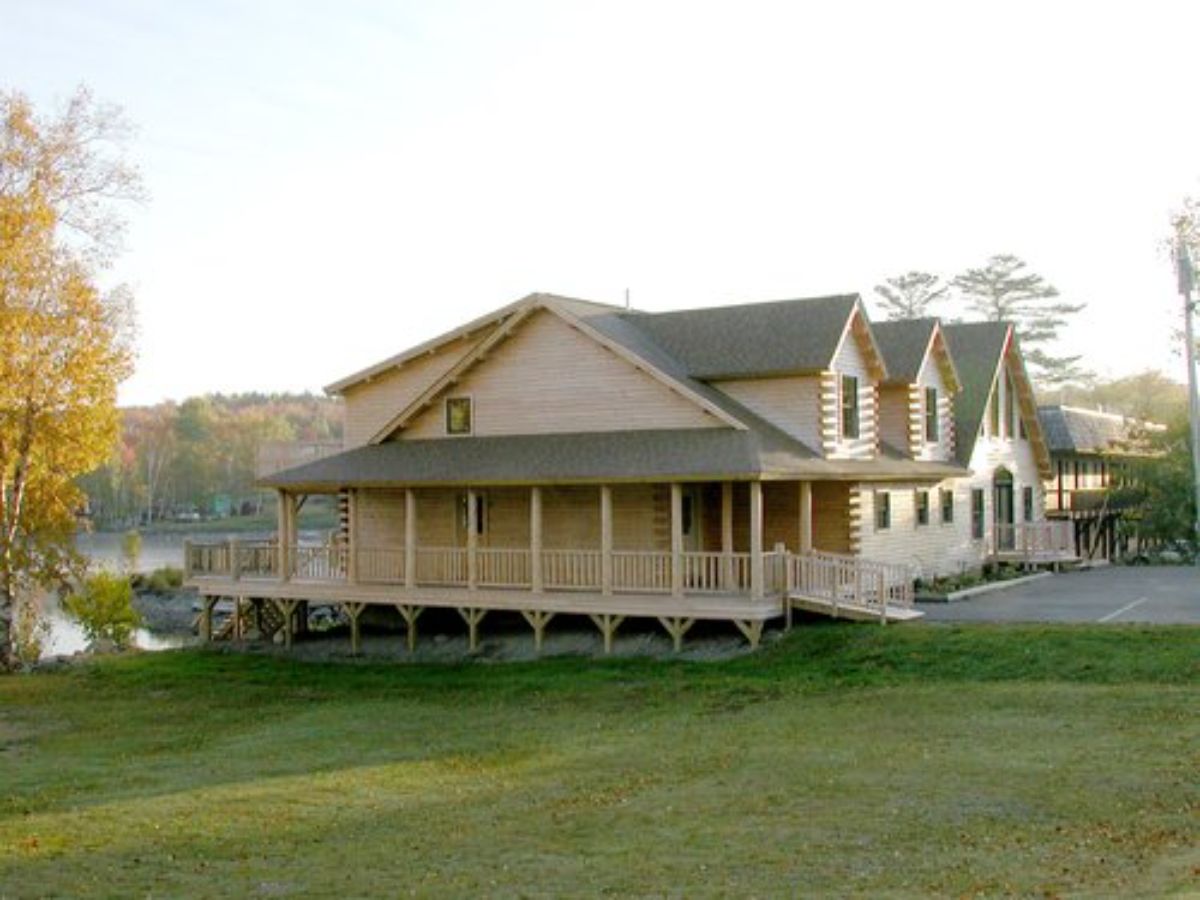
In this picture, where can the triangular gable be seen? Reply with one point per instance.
(939, 350)
(1012, 360)
(518, 316)
(858, 328)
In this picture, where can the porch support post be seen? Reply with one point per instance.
(282, 530)
(727, 581)
(472, 541)
(353, 611)
(606, 539)
(410, 614)
(206, 619)
(535, 539)
(676, 538)
(756, 539)
(410, 540)
(352, 536)
(806, 517)
(538, 619)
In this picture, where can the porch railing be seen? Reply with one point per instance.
(850, 580)
(442, 566)
(1051, 539)
(572, 570)
(839, 579)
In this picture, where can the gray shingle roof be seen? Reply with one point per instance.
(751, 340)
(904, 343)
(976, 348)
(683, 454)
(1072, 430)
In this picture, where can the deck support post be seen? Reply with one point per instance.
(410, 613)
(535, 539)
(287, 609)
(756, 539)
(283, 529)
(608, 625)
(472, 616)
(806, 517)
(239, 624)
(352, 536)
(606, 540)
(353, 611)
(676, 539)
(472, 540)
(538, 619)
(751, 630)
(206, 619)
(676, 627)
(727, 582)
(410, 538)
(258, 616)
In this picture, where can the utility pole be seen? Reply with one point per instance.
(1187, 279)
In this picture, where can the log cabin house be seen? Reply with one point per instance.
(559, 456)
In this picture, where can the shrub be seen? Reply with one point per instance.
(160, 581)
(104, 607)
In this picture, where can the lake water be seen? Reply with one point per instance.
(66, 636)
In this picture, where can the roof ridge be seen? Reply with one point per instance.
(742, 305)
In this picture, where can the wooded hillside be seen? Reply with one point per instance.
(197, 458)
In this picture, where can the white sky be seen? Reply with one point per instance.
(332, 183)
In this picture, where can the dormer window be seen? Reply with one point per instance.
(458, 415)
(931, 415)
(849, 406)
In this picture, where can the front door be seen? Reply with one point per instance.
(1002, 496)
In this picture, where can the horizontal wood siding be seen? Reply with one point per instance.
(934, 549)
(792, 404)
(850, 360)
(781, 515)
(931, 376)
(549, 378)
(372, 404)
(641, 517)
(894, 411)
(831, 516)
(380, 516)
(571, 518)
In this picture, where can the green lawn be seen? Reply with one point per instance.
(841, 760)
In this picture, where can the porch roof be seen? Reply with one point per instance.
(708, 454)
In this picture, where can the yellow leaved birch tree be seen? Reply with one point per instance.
(64, 345)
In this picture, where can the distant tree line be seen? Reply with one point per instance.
(198, 457)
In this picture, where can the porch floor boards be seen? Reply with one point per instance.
(716, 607)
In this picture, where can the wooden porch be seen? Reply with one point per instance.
(1049, 542)
(676, 590)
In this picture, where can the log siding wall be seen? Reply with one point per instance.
(548, 378)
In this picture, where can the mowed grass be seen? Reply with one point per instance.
(845, 760)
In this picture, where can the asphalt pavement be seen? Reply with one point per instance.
(1117, 594)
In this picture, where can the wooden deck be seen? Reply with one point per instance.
(677, 590)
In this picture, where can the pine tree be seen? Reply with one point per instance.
(911, 295)
(1004, 290)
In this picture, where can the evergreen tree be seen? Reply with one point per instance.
(1005, 290)
(911, 295)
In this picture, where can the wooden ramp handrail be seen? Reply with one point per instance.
(850, 580)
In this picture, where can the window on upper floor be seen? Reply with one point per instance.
(458, 415)
(931, 415)
(947, 496)
(849, 406)
(922, 501)
(1027, 502)
(1010, 406)
(883, 510)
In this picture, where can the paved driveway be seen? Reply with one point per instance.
(1117, 594)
